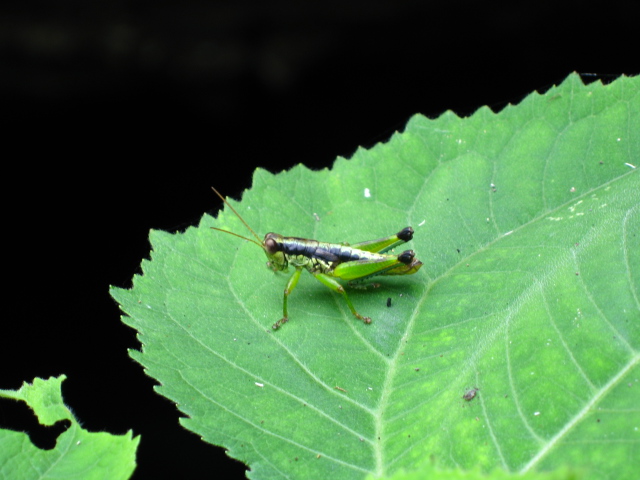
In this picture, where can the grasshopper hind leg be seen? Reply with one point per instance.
(337, 287)
(324, 279)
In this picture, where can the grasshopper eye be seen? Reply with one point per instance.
(270, 245)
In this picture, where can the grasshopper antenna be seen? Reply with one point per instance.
(259, 242)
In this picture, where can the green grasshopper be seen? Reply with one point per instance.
(327, 261)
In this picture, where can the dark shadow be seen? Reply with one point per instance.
(17, 416)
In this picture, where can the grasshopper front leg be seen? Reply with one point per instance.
(291, 284)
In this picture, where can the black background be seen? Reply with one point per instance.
(118, 116)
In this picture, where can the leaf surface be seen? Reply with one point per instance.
(528, 224)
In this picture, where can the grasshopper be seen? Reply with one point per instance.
(328, 261)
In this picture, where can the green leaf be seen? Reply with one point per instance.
(78, 453)
(432, 472)
(528, 224)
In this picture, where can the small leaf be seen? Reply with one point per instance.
(77, 454)
(528, 224)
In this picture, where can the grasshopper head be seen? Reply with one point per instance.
(272, 245)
